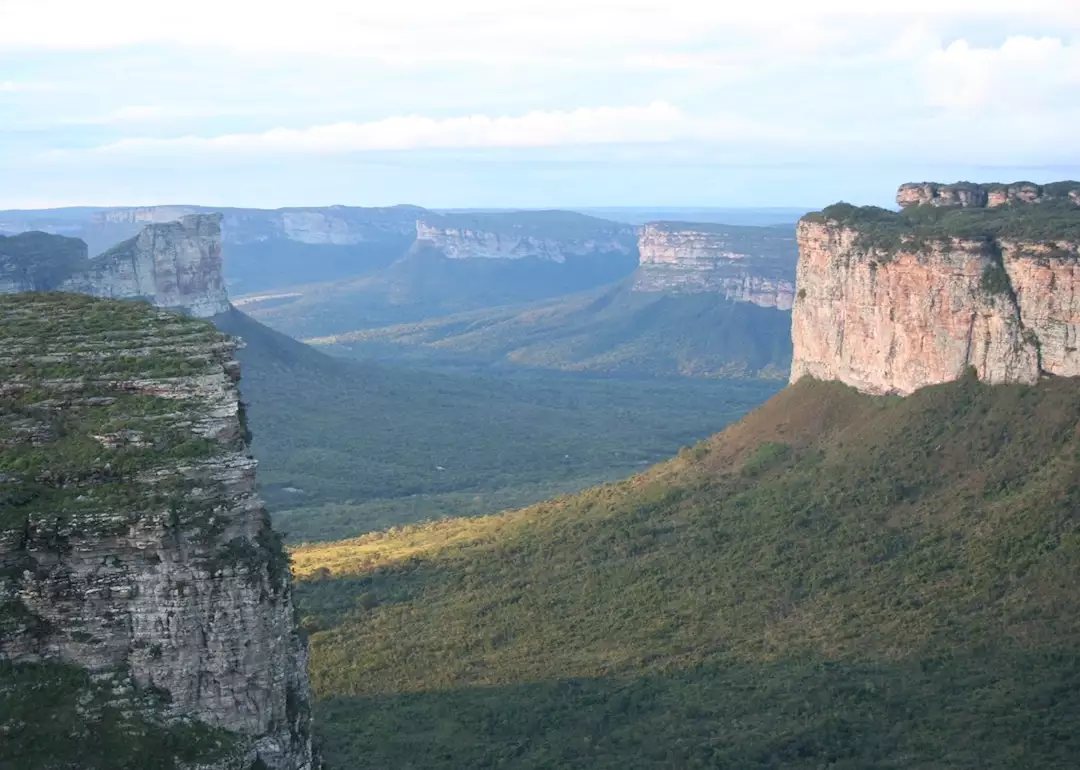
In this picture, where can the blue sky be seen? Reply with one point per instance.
(530, 102)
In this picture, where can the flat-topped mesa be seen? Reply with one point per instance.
(744, 264)
(890, 302)
(133, 548)
(969, 195)
(144, 215)
(552, 236)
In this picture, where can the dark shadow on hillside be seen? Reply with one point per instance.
(995, 709)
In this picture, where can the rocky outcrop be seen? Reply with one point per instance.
(892, 319)
(547, 236)
(174, 265)
(744, 264)
(968, 195)
(132, 544)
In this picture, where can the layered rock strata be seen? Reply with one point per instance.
(132, 543)
(458, 240)
(968, 195)
(895, 319)
(744, 264)
(174, 265)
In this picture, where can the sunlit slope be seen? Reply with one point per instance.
(836, 581)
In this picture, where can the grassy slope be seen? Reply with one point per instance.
(607, 330)
(836, 581)
(377, 435)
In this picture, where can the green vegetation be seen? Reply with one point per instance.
(425, 283)
(52, 715)
(40, 261)
(612, 330)
(365, 435)
(74, 434)
(919, 227)
(836, 581)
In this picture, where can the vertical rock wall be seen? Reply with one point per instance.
(893, 321)
(132, 542)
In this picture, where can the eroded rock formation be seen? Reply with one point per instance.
(174, 265)
(966, 194)
(745, 264)
(895, 318)
(132, 544)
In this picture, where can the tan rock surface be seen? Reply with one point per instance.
(893, 323)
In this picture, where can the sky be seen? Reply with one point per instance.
(530, 103)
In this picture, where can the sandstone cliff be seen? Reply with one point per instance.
(552, 236)
(174, 265)
(889, 304)
(134, 549)
(745, 264)
(966, 194)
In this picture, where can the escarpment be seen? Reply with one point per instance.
(553, 236)
(890, 302)
(968, 195)
(145, 601)
(744, 264)
(175, 265)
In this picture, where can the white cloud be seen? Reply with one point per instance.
(156, 113)
(1022, 73)
(16, 87)
(472, 30)
(655, 123)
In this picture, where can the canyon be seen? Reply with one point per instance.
(890, 305)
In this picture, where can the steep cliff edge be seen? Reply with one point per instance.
(175, 265)
(744, 264)
(890, 302)
(146, 616)
(968, 195)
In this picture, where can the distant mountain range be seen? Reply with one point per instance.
(542, 289)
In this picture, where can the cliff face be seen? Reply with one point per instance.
(745, 264)
(503, 239)
(965, 194)
(892, 319)
(132, 544)
(173, 265)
